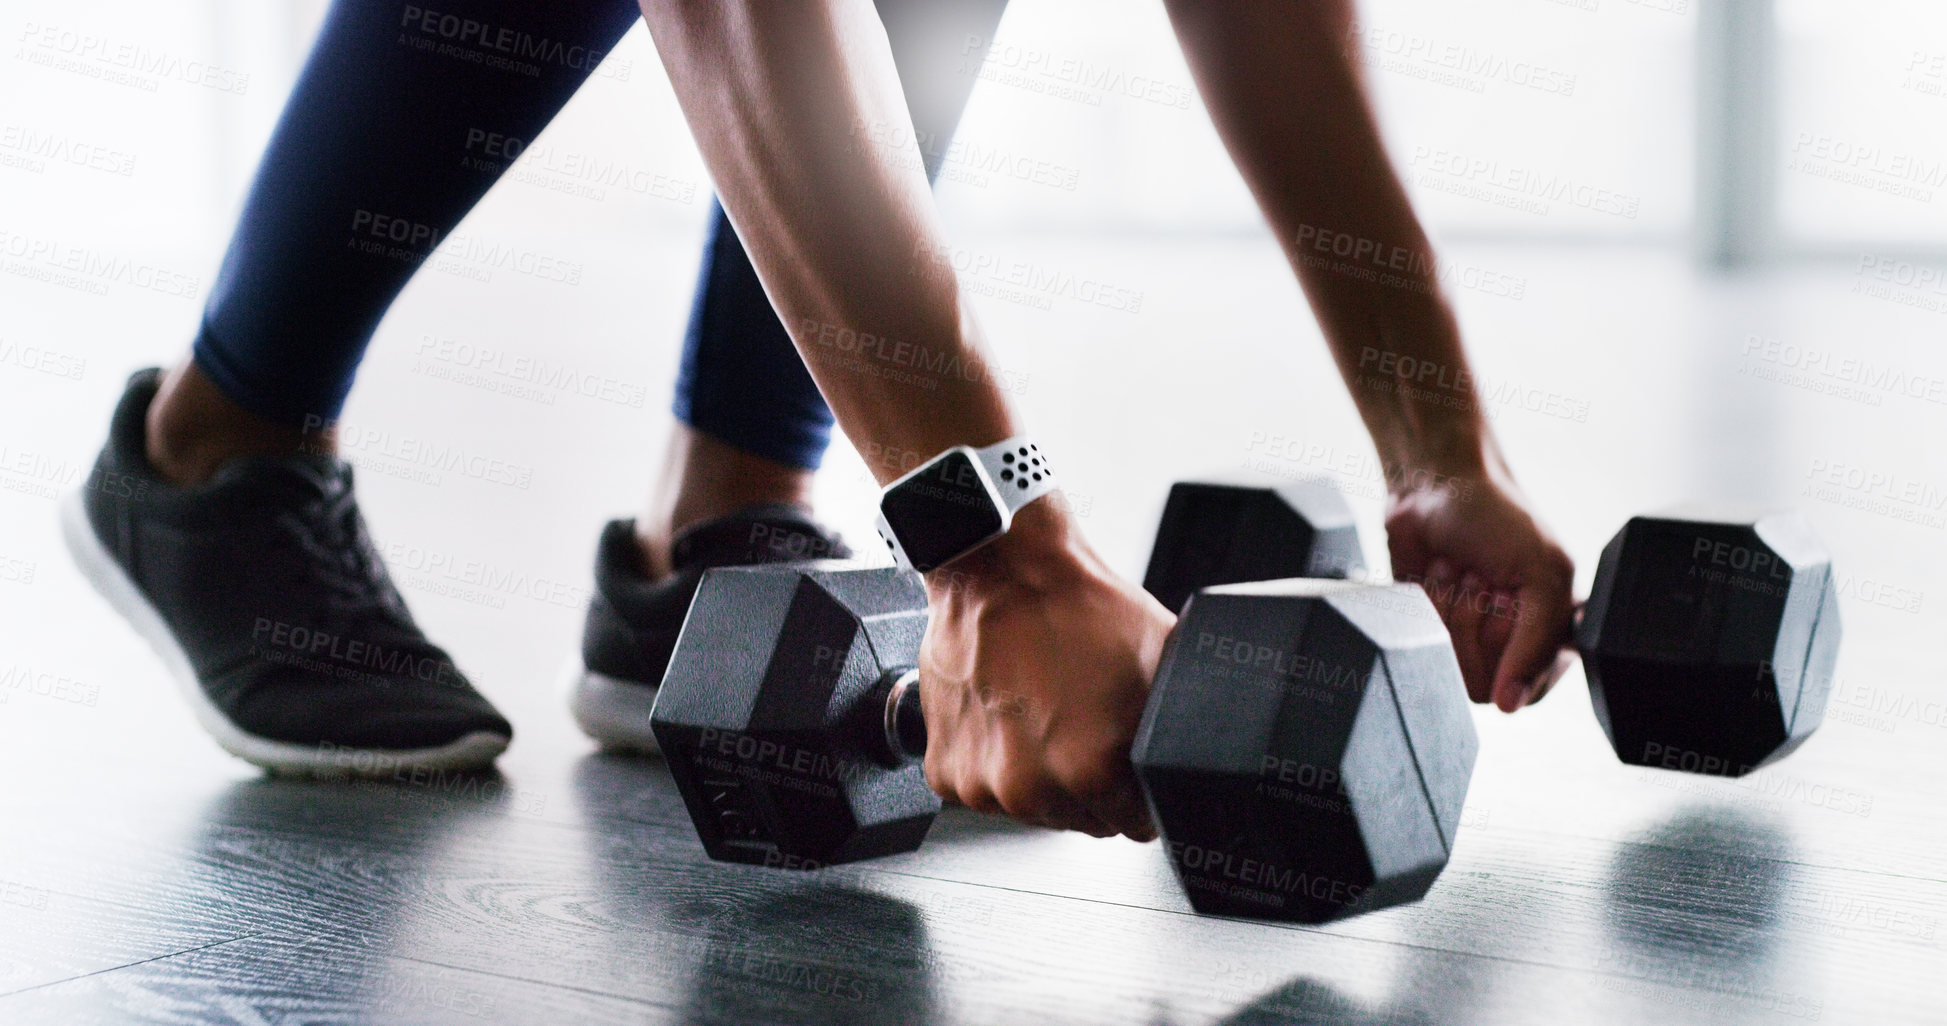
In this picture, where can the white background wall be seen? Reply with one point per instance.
(1600, 98)
(1863, 96)
(1551, 90)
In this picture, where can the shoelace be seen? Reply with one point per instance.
(327, 527)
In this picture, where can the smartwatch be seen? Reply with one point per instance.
(960, 500)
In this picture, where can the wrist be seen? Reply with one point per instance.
(1040, 545)
(1460, 451)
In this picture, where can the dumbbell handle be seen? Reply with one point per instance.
(902, 722)
(1574, 640)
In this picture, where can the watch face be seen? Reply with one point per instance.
(942, 511)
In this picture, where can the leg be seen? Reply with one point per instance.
(749, 414)
(390, 137)
(261, 586)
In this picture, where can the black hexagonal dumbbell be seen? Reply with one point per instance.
(789, 715)
(1306, 748)
(1710, 639)
(1227, 534)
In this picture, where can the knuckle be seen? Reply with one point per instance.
(1020, 797)
(979, 799)
(939, 776)
(1092, 778)
(946, 792)
(955, 784)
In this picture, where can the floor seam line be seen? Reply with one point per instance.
(129, 965)
(531, 981)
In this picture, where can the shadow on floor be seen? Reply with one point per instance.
(1697, 902)
(761, 946)
(1307, 1002)
(816, 954)
(1706, 881)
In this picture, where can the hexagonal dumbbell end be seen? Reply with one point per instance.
(773, 714)
(1307, 748)
(1710, 639)
(1227, 534)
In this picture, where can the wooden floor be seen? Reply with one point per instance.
(146, 877)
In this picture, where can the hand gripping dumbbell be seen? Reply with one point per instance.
(1709, 638)
(1305, 750)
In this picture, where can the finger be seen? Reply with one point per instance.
(1028, 797)
(1465, 628)
(1091, 826)
(965, 784)
(1549, 678)
(1440, 585)
(1104, 785)
(1124, 810)
(1497, 630)
(1070, 814)
(982, 800)
(1043, 803)
(1503, 609)
(943, 776)
(1535, 650)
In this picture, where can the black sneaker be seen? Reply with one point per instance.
(633, 621)
(262, 592)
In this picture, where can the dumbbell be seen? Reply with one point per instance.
(1229, 534)
(1305, 749)
(1709, 638)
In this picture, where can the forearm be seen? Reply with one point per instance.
(798, 111)
(1287, 97)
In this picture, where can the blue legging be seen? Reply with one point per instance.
(397, 127)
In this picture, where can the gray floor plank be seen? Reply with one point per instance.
(628, 909)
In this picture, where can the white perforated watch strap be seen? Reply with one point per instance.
(1018, 470)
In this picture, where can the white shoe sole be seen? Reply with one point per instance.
(472, 751)
(612, 711)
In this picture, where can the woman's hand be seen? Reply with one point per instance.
(1034, 673)
(1500, 580)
